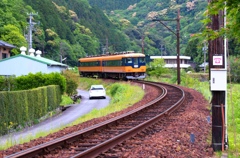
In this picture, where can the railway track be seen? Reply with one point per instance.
(97, 139)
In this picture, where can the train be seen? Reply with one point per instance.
(122, 65)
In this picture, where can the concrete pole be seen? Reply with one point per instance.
(178, 47)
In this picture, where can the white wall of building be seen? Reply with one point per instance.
(23, 66)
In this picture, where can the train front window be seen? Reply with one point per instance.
(135, 62)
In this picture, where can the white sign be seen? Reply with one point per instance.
(217, 60)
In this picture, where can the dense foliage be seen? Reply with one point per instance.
(235, 69)
(136, 21)
(23, 108)
(62, 29)
(231, 30)
(72, 80)
(39, 79)
(110, 5)
(74, 29)
(156, 68)
(31, 81)
(230, 10)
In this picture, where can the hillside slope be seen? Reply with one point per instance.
(136, 16)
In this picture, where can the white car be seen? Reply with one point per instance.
(97, 91)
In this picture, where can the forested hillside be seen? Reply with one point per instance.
(136, 21)
(110, 5)
(61, 28)
(77, 28)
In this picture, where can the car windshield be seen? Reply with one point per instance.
(96, 88)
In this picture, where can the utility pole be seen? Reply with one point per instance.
(161, 49)
(178, 41)
(143, 44)
(31, 26)
(178, 47)
(218, 83)
(106, 44)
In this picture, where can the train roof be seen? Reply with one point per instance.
(112, 57)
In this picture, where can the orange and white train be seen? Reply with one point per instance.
(124, 65)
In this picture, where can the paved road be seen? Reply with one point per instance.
(68, 116)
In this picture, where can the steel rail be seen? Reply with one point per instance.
(100, 148)
(71, 137)
(95, 151)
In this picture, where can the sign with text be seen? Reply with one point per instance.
(217, 60)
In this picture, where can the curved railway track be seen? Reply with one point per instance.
(93, 141)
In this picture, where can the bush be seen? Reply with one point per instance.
(7, 83)
(114, 89)
(72, 80)
(21, 108)
(39, 80)
(156, 68)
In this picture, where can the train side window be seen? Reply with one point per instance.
(123, 62)
(129, 60)
(142, 60)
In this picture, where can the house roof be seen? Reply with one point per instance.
(38, 59)
(203, 64)
(5, 44)
(170, 57)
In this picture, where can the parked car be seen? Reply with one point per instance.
(97, 91)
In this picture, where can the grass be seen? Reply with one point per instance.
(125, 96)
(234, 120)
(66, 100)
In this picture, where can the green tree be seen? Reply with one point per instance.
(11, 13)
(89, 44)
(12, 34)
(231, 31)
(72, 80)
(156, 68)
(194, 50)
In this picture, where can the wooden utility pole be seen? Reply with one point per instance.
(218, 79)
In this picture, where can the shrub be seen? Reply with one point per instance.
(72, 80)
(39, 80)
(156, 68)
(25, 107)
(114, 89)
(7, 83)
